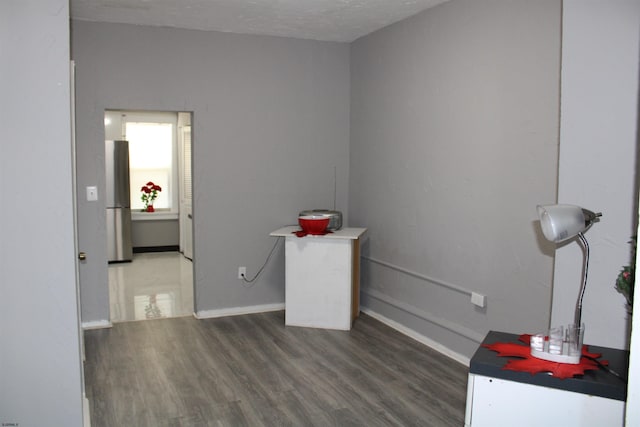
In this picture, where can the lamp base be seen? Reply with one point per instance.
(562, 345)
(559, 358)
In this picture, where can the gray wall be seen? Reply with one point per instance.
(270, 123)
(454, 135)
(155, 233)
(600, 42)
(40, 368)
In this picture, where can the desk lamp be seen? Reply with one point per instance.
(560, 223)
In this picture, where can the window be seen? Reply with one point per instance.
(153, 156)
(150, 159)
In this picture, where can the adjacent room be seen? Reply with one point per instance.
(434, 128)
(148, 214)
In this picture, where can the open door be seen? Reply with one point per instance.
(186, 210)
(81, 255)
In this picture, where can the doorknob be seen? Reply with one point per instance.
(82, 256)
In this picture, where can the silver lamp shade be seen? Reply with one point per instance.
(562, 222)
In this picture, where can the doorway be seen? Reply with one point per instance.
(157, 280)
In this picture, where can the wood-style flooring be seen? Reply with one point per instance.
(253, 371)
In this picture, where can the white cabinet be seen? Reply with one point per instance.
(498, 397)
(322, 275)
(496, 402)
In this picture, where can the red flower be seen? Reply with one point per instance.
(149, 194)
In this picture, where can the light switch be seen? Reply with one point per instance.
(92, 193)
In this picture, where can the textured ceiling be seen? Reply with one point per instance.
(330, 20)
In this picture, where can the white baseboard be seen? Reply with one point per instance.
(86, 412)
(418, 337)
(237, 311)
(97, 324)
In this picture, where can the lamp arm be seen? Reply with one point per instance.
(583, 286)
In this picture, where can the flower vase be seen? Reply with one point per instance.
(150, 208)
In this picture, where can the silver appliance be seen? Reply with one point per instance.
(118, 202)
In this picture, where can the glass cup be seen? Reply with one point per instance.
(537, 342)
(556, 338)
(574, 337)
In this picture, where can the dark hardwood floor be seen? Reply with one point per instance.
(253, 371)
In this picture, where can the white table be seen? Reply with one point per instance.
(498, 397)
(322, 278)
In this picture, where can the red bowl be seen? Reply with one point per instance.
(314, 224)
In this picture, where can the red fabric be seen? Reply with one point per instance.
(302, 233)
(533, 365)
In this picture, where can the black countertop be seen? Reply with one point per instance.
(597, 383)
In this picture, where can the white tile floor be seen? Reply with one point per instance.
(153, 285)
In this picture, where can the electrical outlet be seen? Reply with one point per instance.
(478, 299)
(242, 272)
